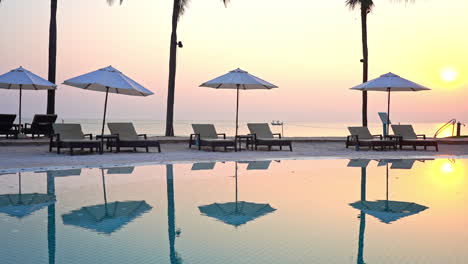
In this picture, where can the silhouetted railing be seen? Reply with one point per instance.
(452, 123)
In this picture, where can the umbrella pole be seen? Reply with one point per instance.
(104, 119)
(237, 110)
(388, 112)
(20, 99)
(104, 190)
(236, 184)
(386, 202)
(19, 188)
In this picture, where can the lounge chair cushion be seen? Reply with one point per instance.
(261, 130)
(126, 131)
(405, 131)
(69, 131)
(362, 133)
(213, 140)
(206, 131)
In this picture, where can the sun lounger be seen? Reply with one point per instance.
(263, 136)
(206, 135)
(41, 125)
(127, 137)
(361, 137)
(407, 137)
(71, 136)
(7, 127)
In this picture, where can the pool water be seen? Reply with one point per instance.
(303, 211)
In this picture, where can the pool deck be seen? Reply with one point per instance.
(35, 156)
(45, 141)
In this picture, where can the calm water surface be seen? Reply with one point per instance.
(318, 211)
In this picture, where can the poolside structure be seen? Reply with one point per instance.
(108, 80)
(22, 79)
(239, 80)
(390, 83)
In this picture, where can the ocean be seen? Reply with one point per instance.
(289, 129)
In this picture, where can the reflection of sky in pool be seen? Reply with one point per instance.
(316, 211)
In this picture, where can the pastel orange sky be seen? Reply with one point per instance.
(310, 49)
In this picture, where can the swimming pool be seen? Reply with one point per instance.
(308, 211)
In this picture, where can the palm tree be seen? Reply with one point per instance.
(366, 7)
(52, 55)
(178, 10)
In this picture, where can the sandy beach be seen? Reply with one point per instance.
(14, 158)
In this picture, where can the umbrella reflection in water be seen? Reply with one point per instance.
(108, 217)
(238, 212)
(23, 204)
(386, 211)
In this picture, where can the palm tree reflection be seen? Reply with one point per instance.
(175, 258)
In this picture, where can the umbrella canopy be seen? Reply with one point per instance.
(106, 218)
(22, 79)
(388, 211)
(240, 80)
(390, 83)
(236, 214)
(108, 80)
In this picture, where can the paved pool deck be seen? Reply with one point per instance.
(37, 157)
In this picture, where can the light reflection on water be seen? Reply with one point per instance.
(318, 211)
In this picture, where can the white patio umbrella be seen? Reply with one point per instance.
(390, 83)
(239, 80)
(108, 80)
(22, 79)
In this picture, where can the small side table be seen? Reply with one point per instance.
(108, 139)
(395, 139)
(248, 139)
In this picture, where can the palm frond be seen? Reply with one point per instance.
(366, 4)
(111, 2)
(183, 5)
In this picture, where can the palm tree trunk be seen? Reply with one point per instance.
(172, 71)
(51, 228)
(365, 61)
(52, 55)
(171, 212)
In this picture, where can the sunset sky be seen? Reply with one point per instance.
(310, 49)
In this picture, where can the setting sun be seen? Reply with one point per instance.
(449, 75)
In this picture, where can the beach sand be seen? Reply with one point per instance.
(14, 158)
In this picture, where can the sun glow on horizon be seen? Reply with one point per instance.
(449, 74)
